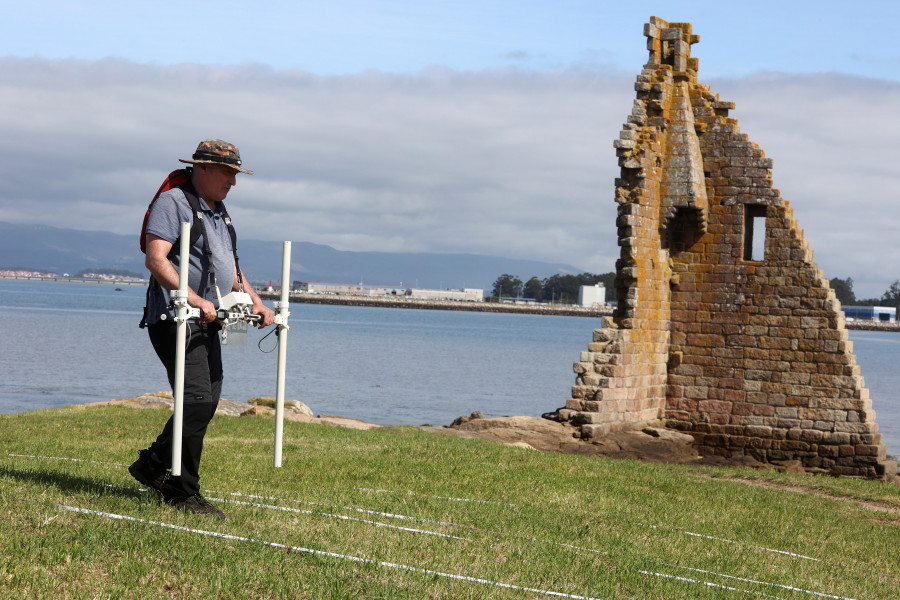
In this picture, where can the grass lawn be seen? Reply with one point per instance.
(401, 513)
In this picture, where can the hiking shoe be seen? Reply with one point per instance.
(152, 478)
(195, 503)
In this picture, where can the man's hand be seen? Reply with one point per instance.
(157, 262)
(268, 316)
(207, 309)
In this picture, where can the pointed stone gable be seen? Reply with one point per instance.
(725, 329)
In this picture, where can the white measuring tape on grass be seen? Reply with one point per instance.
(401, 517)
(727, 541)
(341, 517)
(312, 551)
(786, 587)
(458, 577)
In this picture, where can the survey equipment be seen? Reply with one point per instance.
(233, 315)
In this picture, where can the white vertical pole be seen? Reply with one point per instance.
(181, 317)
(281, 322)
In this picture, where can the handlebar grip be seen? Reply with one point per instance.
(221, 315)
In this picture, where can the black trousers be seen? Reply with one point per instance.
(202, 388)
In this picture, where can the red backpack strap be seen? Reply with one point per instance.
(174, 179)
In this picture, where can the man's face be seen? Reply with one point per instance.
(214, 181)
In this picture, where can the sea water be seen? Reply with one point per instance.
(73, 343)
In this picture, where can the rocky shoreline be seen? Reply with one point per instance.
(650, 444)
(293, 409)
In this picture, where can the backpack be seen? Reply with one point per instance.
(177, 178)
(181, 178)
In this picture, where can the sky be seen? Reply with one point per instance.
(470, 126)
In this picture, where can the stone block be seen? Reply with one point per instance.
(829, 451)
(795, 446)
(759, 443)
(886, 469)
(846, 450)
(786, 412)
(837, 437)
(594, 430)
(579, 392)
(714, 406)
(877, 451)
(583, 418)
(857, 428)
(759, 431)
(813, 436)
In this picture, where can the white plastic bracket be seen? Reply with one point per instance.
(281, 314)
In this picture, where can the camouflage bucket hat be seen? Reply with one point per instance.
(217, 152)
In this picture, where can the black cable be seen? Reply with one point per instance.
(259, 343)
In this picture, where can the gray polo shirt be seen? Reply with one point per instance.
(166, 216)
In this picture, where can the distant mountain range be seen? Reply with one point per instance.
(44, 248)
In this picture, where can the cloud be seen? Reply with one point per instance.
(502, 162)
(439, 161)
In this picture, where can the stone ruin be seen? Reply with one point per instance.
(725, 329)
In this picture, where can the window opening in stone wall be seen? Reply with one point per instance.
(754, 232)
(683, 231)
(668, 56)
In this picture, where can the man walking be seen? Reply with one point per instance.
(213, 270)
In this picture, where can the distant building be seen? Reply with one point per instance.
(517, 300)
(870, 313)
(462, 295)
(380, 291)
(592, 295)
(347, 289)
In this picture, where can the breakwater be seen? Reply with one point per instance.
(560, 310)
(873, 326)
(68, 279)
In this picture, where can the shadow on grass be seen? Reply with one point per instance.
(66, 482)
